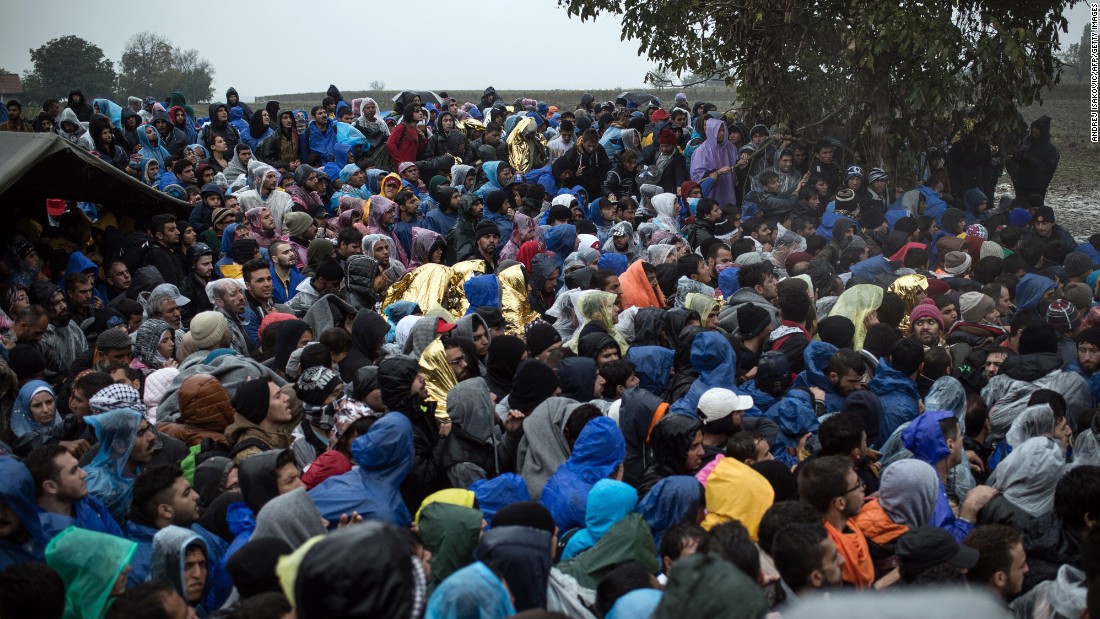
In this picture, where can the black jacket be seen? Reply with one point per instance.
(596, 167)
(1034, 163)
(396, 376)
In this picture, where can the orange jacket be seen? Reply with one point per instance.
(858, 568)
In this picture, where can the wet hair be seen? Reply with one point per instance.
(994, 543)
(794, 304)
(578, 419)
(677, 537)
(336, 339)
(153, 488)
(32, 590)
(937, 363)
(797, 552)
(618, 582)
(742, 445)
(823, 479)
(1077, 495)
(615, 374)
(976, 415)
(731, 541)
(781, 515)
(841, 433)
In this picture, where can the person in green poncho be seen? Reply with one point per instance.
(94, 567)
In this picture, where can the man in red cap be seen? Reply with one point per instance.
(666, 157)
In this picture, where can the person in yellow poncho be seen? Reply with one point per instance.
(734, 491)
(859, 304)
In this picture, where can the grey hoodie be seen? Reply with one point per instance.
(291, 517)
(169, 551)
(543, 447)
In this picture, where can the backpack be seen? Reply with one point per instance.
(135, 250)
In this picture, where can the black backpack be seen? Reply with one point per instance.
(135, 250)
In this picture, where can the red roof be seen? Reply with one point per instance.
(10, 84)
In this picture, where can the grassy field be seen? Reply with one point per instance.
(1068, 107)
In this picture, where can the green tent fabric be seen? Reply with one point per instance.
(37, 166)
(89, 563)
(706, 585)
(629, 540)
(450, 533)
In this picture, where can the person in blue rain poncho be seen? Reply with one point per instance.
(60, 504)
(319, 137)
(936, 437)
(608, 503)
(652, 361)
(671, 501)
(151, 148)
(894, 384)
(498, 175)
(482, 291)
(562, 240)
(112, 471)
(473, 591)
(796, 417)
(24, 539)
(713, 357)
(385, 457)
(597, 454)
(817, 357)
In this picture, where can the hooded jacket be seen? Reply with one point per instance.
(397, 583)
(17, 495)
(523, 553)
(475, 449)
(735, 491)
(205, 412)
(368, 333)
(169, 552)
(396, 375)
(543, 447)
(636, 414)
(669, 441)
(1028, 476)
(713, 357)
(608, 503)
(214, 128)
(1007, 393)
(116, 429)
(1033, 165)
(899, 398)
(175, 140)
(88, 563)
(597, 453)
(385, 458)
(1030, 290)
(460, 238)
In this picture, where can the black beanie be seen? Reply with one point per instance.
(541, 336)
(26, 361)
(533, 384)
(880, 340)
(837, 330)
(525, 514)
(252, 567)
(252, 399)
(486, 227)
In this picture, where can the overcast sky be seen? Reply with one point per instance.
(437, 45)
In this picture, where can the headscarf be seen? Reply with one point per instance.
(147, 342)
(668, 211)
(22, 421)
(596, 306)
(253, 217)
(147, 150)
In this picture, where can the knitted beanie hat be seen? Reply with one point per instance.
(925, 309)
(973, 306)
(208, 329)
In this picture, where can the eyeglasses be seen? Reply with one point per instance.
(859, 486)
(458, 362)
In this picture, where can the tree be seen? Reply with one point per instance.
(66, 64)
(152, 66)
(890, 71)
(1071, 61)
(378, 85)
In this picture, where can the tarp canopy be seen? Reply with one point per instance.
(37, 166)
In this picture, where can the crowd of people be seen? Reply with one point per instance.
(621, 359)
